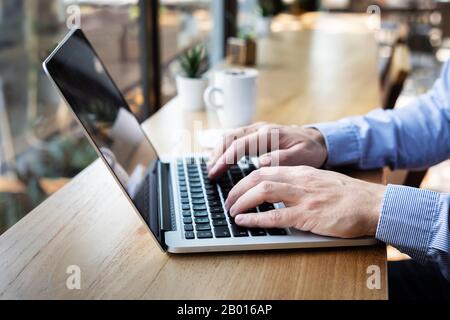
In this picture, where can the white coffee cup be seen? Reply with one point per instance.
(233, 96)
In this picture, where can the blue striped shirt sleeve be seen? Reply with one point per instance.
(416, 136)
(412, 137)
(416, 222)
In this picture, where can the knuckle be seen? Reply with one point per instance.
(267, 187)
(275, 217)
(230, 137)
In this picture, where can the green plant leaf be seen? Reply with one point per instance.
(191, 61)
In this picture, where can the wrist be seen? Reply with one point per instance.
(376, 193)
(317, 137)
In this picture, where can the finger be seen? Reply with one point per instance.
(267, 191)
(278, 218)
(258, 142)
(274, 174)
(287, 157)
(228, 140)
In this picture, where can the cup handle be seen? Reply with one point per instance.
(209, 97)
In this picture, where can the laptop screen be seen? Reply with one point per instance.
(102, 110)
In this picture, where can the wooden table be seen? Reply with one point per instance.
(307, 75)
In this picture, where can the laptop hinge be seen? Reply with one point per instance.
(166, 203)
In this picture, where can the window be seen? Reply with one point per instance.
(248, 16)
(183, 25)
(41, 147)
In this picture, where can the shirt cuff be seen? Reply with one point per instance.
(342, 142)
(406, 220)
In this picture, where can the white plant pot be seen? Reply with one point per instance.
(264, 26)
(190, 93)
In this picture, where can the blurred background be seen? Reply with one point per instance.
(42, 148)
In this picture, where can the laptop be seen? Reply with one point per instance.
(183, 209)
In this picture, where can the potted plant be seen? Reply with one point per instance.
(191, 84)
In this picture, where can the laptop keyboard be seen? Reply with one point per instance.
(202, 202)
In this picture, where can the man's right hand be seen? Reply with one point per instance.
(274, 144)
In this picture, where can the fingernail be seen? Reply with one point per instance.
(239, 219)
(232, 211)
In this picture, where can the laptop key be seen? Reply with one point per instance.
(184, 195)
(239, 232)
(212, 193)
(214, 197)
(203, 227)
(186, 207)
(187, 214)
(215, 216)
(190, 235)
(200, 207)
(198, 202)
(201, 221)
(196, 184)
(215, 204)
(201, 214)
(185, 201)
(188, 227)
(277, 232)
(266, 207)
(198, 196)
(220, 223)
(204, 235)
(187, 220)
(222, 232)
(258, 232)
(210, 188)
(216, 210)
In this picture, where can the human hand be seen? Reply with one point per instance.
(322, 202)
(276, 145)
